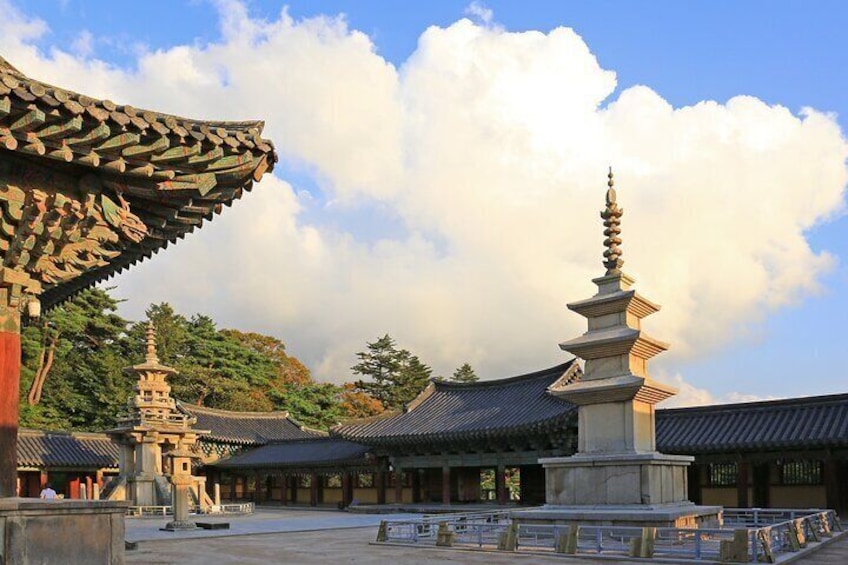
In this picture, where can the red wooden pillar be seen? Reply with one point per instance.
(346, 490)
(446, 484)
(73, 487)
(89, 487)
(233, 479)
(500, 484)
(416, 486)
(381, 487)
(284, 486)
(832, 488)
(257, 478)
(742, 484)
(10, 381)
(398, 486)
(42, 482)
(313, 489)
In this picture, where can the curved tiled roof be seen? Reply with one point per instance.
(65, 449)
(247, 428)
(793, 423)
(171, 172)
(302, 453)
(495, 409)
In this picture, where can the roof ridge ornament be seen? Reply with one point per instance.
(612, 230)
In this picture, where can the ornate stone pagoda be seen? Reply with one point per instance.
(617, 476)
(156, 440)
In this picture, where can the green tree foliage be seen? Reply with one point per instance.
(83, 386)
(464, 374)
(74, 359)
(234, 370)
(396, 375)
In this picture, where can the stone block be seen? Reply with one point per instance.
(62, 531)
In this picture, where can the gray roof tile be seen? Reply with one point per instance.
(65, 449)
(793, 423)
(301, 453)
(247, 428)
(483, 410)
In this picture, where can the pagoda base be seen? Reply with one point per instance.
(677, 515)
(646, 479)
(61, 531)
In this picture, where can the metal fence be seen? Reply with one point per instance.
(168, 510)
(749, 535)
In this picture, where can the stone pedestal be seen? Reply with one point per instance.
(622, 489)
(182, 481)
(71, 532)
(639, 478)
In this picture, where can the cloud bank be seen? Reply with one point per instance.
(477, 170)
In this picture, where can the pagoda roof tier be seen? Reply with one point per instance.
(613, 303)
(127, 181)
(616, 340)
(616, 389)
(479, 411)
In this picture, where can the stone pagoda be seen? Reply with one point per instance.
(156, 438)
(617, 476)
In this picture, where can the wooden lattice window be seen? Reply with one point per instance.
(333, 481)
(364, 480)
(304, 481)
(723, 474)
(804, 472)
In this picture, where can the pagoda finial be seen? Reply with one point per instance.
(151, 356)
(612, 220)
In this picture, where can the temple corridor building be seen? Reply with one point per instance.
(478, 442)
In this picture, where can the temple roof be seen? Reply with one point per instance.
(247, 428)
(166, 172)
(300, 454)
(484, 410)
(65, 449)
(794, 423)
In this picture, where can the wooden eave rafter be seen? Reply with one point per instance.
(173, 172)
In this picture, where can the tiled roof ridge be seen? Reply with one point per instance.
(367, 420)
(507, 381)
(148, 177)
(106, 104)
(782, 403)
(319, 438)
(64, 433)
(270, 415)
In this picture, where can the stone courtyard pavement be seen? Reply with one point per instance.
(300, 536)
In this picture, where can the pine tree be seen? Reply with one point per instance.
(396, 375)
(465, 374)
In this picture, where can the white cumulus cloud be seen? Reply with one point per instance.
(489, 149)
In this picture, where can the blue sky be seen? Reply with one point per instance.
(786, 53)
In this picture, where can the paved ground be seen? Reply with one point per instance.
(263, 521)
(311, 537)
(332, 546)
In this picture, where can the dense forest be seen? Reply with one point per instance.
(74, 358)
